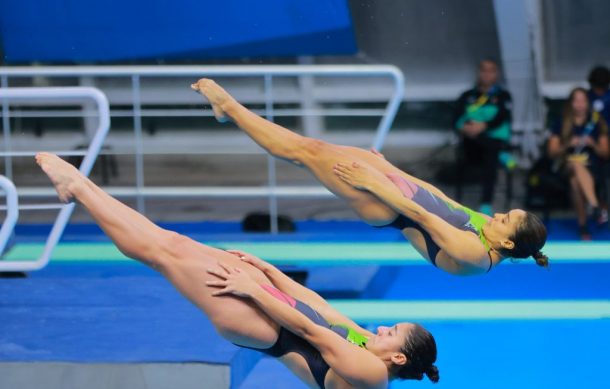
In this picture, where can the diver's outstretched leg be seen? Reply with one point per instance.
(317, 156)
(181, 260)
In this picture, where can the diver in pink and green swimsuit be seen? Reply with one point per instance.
(251, 303)
(459, 217)
(454, 238)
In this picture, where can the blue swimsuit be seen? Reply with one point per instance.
(462, 218)
(289, 342)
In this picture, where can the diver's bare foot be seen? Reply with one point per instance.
(217, 96)
(65, 177)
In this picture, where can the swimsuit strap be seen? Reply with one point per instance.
(491, 262)
(483, 240)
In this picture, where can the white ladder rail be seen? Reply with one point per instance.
(56, 94)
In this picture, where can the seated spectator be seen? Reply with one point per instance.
(599, 94)
(579, 145)
(599, 97)
(483, 119)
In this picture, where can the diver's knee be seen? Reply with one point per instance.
(313, 148)
(172, 246)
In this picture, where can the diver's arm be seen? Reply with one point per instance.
(355, 365)
(463, 246)
(297, 291)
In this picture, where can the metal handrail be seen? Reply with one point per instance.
(211, 71)
(57, 95)
(267, 72)
(12, 211)
(234, 71)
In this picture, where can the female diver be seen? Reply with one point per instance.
(449, 235)
(252, 304)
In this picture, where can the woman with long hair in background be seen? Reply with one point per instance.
(579, 145)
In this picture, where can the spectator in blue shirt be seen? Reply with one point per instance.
(599, 97)
(579, 145)
(599, 94)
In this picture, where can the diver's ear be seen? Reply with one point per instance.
(507, 244)
(399, 359)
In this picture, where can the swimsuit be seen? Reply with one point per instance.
(462, 218)
(289, 342)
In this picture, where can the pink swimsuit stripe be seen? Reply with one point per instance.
(407, 187)
(280, 295)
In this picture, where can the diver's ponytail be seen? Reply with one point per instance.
(541, 259)
(432, 373)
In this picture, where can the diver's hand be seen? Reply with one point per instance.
(232, 281)
(357, 175)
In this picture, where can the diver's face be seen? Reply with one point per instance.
(503, 226)
(389, 340)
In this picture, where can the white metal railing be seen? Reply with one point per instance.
(57, 95)
(267, 72)
(12, 211)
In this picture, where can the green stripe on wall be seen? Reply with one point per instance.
(396, 311)
(313, 253)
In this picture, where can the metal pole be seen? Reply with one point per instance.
(391, 110)
(137, 127)
(56, 94)
(6, 130)
(313, 125)
(271, 176)
(12, 212)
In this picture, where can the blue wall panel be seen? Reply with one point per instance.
(115, 30)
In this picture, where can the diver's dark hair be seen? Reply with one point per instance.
(420, 350)
(599, 77)
(529, 239)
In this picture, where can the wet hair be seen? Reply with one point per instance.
(529, 238)
(599, 77)
(420, 350)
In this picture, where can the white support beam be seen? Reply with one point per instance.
(516, 24)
